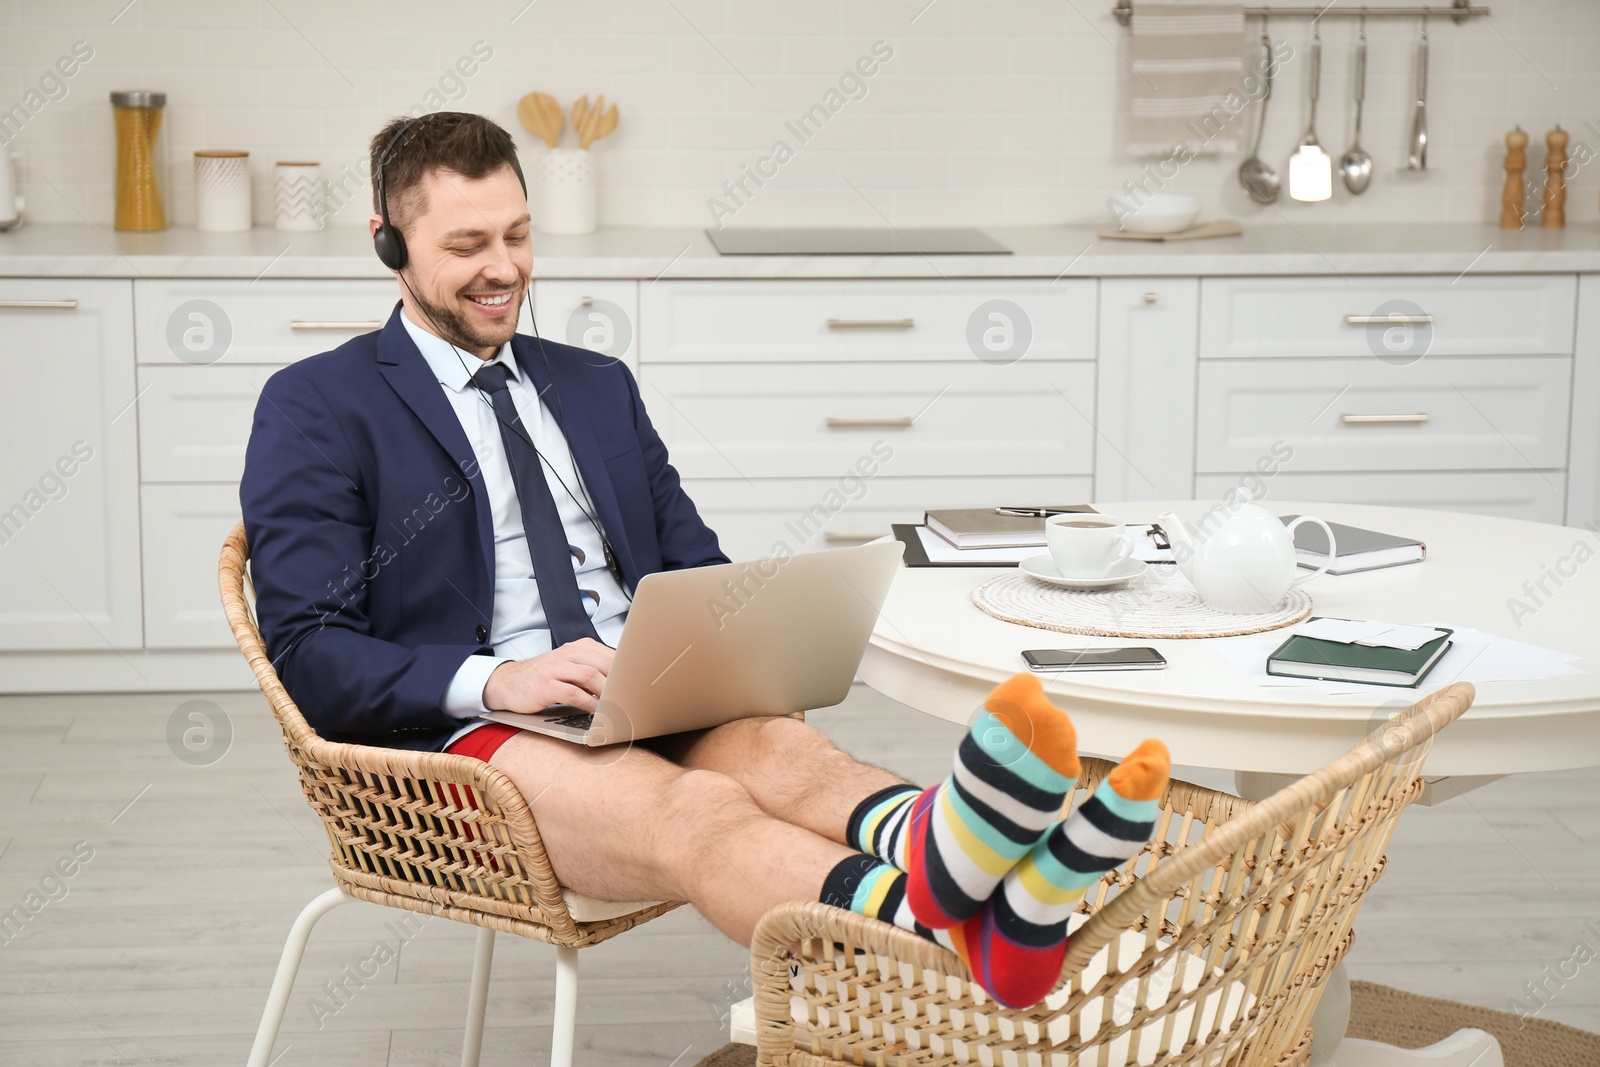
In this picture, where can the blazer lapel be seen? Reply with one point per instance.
(585, 446)
(409, 375)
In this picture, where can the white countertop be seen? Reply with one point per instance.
(649, 253)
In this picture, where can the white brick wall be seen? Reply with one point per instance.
(990, 112)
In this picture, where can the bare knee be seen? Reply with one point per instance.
(701, 811)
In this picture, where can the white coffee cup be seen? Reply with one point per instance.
(1086, 545)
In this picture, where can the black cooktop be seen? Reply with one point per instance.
(854, 241)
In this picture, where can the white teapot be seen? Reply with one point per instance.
(1240, 556)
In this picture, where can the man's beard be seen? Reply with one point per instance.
(455, 328)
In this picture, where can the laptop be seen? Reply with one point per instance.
(707, 645)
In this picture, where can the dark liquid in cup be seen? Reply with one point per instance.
(1085, 524)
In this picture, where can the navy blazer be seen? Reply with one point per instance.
(371, 542)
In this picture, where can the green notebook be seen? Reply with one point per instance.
(1334, 661)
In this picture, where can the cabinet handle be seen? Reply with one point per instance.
(66, 305)
(847, 539)
(1388, 320)
(871, 324)
(1420, 416)
(300, 324)
(902, 422)
(1150, 298)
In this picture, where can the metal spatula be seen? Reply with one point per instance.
(1418, 158)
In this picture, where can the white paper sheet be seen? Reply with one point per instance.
(1370, 633)
(1473, 656)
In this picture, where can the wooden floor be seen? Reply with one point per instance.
(160, 947)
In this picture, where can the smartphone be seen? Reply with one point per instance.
(1133, 658)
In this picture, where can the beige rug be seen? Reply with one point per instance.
(1379, 1013)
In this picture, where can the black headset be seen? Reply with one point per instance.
(390, 246)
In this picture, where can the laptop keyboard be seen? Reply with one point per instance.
(581, 720)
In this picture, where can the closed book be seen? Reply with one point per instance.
(989, 528)
(1356, 549)
(1335, 661)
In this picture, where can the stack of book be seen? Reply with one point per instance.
(979, 537)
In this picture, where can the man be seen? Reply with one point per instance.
(446, 516)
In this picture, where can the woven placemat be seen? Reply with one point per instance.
(1161, 603)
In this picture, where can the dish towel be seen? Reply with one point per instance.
(1186, 77)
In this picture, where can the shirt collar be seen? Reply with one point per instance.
(454, 368)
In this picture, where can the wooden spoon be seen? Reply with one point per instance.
(541, 116)
(601, 124)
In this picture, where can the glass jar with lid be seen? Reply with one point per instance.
(141, 159)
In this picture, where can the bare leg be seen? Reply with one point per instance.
(792, 770)
(629, 825)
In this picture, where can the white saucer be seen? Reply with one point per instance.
(1043, 568)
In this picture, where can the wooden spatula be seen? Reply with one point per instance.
(600, 123)
(541, 116)
(580, 114)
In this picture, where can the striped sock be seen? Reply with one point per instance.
(868, 886)
(878, 825)
(1012, 772)
(1015, 945)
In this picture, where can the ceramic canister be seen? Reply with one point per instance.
(298, 196)
(221, 190)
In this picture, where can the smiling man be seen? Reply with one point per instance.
(446, 516)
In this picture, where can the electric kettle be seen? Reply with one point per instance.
(10, 189)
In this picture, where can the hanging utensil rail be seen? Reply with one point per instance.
(1458, 12)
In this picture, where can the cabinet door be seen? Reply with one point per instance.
(184, 529)
(1583, 462)
(602, 316)
(69, 486)
(1144, 417)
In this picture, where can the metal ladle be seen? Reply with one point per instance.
(1355, 167)
(1259, 179)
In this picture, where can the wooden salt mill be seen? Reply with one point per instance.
(1512, 196)
(1555, 179)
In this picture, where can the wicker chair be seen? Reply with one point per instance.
(1210, 947)
(428, 832)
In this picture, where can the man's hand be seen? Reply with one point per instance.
(571, 674)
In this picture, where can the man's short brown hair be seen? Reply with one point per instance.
(408, 148)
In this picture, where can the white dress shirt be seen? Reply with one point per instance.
(519, 629)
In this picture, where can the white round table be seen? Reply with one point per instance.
(935, 651)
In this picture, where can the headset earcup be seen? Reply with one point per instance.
(390, 246)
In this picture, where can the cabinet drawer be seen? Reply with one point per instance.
(802, 514)
(201, 322)
(785, 420)
(1447, 414)
(721, 322)
(1502, 314)
(184, 526)
(1533, 495)
(194, 422)
(600, 315)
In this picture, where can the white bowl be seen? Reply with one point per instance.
(1162, 213)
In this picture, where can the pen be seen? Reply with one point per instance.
(1033, 513)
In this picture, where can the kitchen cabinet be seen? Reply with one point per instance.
(1145, 406)
(802, 413)
(69, 498)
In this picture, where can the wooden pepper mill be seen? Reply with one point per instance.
(1511, 197)
(1555, 179)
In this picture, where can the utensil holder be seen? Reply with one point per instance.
(568, 192)
(299, 197)
(221, 191)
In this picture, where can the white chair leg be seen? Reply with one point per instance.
(478, 999)
(565, 1031)
(288, 966)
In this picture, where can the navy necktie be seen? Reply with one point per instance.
(541, 522)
